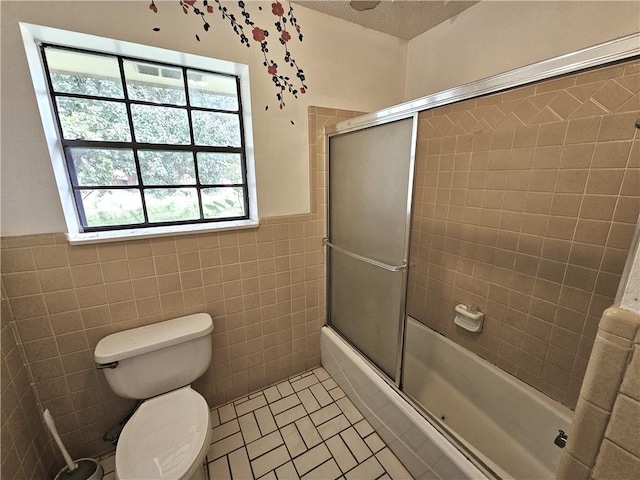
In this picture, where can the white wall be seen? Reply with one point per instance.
(346, 67)
(496, 36)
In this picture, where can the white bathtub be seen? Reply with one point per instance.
(508, 425)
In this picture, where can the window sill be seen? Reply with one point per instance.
(154, 232)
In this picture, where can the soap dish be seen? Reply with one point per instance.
(468, 320)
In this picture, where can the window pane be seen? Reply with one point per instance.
(112, 207)
(212, 91)
(166, 168)
(172, 204)
(160, 125)
(87, 119)
(220, 168)
(223, 202)
(154, 83)
(84, 73)
(216, 129)
(95, 166)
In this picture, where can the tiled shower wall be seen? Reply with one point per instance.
(263, 287)
(525, 205)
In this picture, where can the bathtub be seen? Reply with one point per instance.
(492, 424)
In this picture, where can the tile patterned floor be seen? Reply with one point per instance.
(303, 428)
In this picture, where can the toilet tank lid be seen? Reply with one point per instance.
(137, 341)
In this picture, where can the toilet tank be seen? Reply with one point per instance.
(147, 361)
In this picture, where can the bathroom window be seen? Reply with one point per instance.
(147, 146)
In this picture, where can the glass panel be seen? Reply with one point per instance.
(369, 184)
(111, 207)
(216, 129)
(365, 308)
(86, 119)
(154, 83)
(96, 166)
(166, 168)
(223, 202)
(370, 173)
(171, 205)
(212, 91)
(219, 168)
(160, 125)
(84, 73)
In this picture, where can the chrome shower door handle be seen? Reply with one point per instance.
(371, 261)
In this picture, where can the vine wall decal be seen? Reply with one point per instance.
(286, 26)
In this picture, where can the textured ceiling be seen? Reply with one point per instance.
(401, 18)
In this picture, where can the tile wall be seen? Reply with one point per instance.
(525, 205)
(264, 288)
(26, 449)
(604, 441)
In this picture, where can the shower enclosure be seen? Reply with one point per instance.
(370, 191)
(516, 194)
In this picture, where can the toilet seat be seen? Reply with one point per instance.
(166, 439)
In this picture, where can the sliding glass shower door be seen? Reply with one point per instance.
(370, 180)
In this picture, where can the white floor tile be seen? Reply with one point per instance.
(284, 404)
(225, 446)
(312, 459)
(329, 383)
(356, 444)
(272, 394)
(341, 453)
(225, 430)
(264, 445)
(265, 420)
(374, 442)
(270, 461)
(308, 432)
(108, 463)
(336, 393)
(240, 466)
(308, 400)
(349, 410)
(287, 472)
(325, 414)
(392, 465)
(364, 428)
(269, 476)
(251, 405)
(327, 471)
(304, 382)
(215, 418)
(249, 427)
(289, 416)
(293, 440)
(258, 435)
(285, 389)
(321, 394)
(321, 373)
(369, 470)
(219, 469)
(333, 426)
(227, 412)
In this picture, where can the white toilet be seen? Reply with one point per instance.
(168, 436)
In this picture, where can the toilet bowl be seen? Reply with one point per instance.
(166, 439)
(168, 436)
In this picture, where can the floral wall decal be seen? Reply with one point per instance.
(286, 26)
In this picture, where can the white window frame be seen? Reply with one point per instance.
(34, 35)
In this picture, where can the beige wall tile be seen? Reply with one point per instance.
(614, 462)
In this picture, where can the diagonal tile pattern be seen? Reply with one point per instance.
(303, 428)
